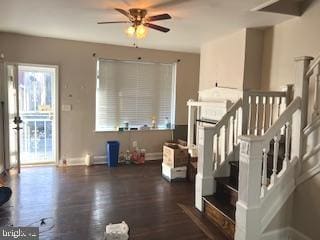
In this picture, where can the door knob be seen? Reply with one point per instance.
(17, 120)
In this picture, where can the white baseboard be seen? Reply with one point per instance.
(287, 233)
(74, 161)
(279, 234)
(309, 174)
(99, 160)
(154, 156)
(294, 234)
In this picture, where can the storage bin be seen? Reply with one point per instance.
(112, 153)
(174, 174)
(175, 155)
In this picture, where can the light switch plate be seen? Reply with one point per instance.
(66, 108)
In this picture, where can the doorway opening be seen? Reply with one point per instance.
(32, 114)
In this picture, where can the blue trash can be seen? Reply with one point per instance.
(112, 153)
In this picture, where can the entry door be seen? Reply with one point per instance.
(37, 109)
(14, 120)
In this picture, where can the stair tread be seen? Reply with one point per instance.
(223, 207)
(227, 181)
(234, 163)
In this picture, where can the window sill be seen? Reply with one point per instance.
(138, 130)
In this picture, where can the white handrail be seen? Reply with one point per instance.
(227, 116)
(256, 187)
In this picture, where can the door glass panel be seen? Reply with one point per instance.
(36, 107)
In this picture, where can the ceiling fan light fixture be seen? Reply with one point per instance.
(130, 31)
(140, 22)
(141, 32)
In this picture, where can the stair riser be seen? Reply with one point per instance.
(227, 194)
(234, 174)
(217, 218)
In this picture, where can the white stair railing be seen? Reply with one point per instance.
(311, 139)
(314, 73)
(220, 144)
(256, 188)
(211, 111)
(263, 108)
(215, 145)
(262, 194)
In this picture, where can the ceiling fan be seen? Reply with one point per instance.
(138, 19)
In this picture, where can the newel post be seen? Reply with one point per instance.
(300, 118)
(248, 224)
(301, 88)
(204, 177)
(191, 122)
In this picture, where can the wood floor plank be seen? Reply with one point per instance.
(81, 201)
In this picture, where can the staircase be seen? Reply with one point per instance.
(220, 208)
(249, 163)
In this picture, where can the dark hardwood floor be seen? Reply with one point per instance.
(78, 202)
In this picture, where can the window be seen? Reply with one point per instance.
(134, 92)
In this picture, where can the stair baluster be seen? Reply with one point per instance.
(275, 159)
(272, 100)
(264, 173)
(218, 156)
(287, 146)
(260, 113)
(265, 124)
(226, 139)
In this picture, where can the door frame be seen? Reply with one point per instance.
(56, 109)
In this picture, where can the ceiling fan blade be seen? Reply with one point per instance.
(169, 3)
(124, 12)
(157, 27)
(113, 22)
(159, 17)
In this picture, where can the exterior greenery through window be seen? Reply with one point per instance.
(134, 92)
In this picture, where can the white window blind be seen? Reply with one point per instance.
(134, 92)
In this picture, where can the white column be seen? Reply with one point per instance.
(191, 122)
(316, 107)
(301, 88)
(248, 205)
(204, 178)
(300, 117)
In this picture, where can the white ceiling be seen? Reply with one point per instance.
(194, 21)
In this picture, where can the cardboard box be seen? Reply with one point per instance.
(175, 155)
(174, 174)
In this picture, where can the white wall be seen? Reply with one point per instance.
(77, 78)
(282, 43)
(233, 61)
(222, 62)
